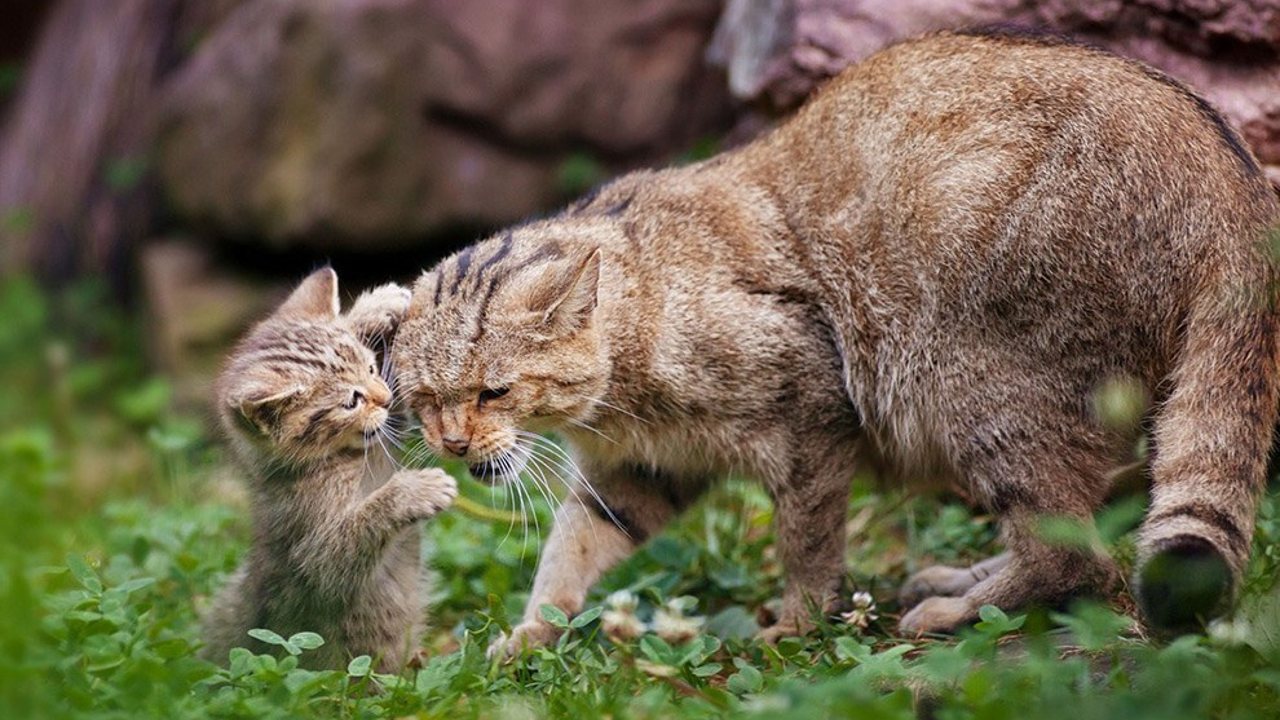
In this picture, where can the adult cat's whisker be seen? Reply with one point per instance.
(539, 441)
(524, 515)
(584, 426)
(603, 403)
(539, 464)
(509, 470)
(540, 482)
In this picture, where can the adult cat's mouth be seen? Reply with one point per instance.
(503, 467)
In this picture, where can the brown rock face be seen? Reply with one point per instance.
(777, 51)
(376, 122)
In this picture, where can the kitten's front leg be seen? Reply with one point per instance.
(338, 553)
(378, 312)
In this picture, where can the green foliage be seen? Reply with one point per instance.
(10, 77)
(578, 173)
(103, 573)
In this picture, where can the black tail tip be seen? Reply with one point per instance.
(1184, 584)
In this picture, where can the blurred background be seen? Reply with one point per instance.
(169, 168)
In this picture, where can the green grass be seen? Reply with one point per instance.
(119, 518)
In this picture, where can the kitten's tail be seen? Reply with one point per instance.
(1212, 439)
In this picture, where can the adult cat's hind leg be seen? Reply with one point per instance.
(1058, 470)
(948, 581)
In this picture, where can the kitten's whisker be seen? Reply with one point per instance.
(385, 450)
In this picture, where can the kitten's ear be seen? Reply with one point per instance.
(316, 297)
(573, 296)
(258, 414)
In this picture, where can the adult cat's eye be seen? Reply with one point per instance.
(357, 397)
(493, 393)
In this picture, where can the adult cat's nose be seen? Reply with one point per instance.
(456, 445)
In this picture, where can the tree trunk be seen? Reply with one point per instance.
(74, 150)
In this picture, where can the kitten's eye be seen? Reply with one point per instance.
(373, 369)
(493, 393)
(357, 397)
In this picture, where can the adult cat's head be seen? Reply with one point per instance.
(301, 386)
(502, 338)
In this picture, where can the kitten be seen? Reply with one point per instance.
(934, 266)
(335, 529)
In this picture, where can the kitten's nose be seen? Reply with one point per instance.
(380, 395)
(456, 445)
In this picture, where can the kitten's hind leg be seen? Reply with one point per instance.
(948, 581)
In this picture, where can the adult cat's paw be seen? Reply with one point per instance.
(378, 312)
(785, 628)
(426, 492)
(937, 580)
(937, 615)
(528, 635)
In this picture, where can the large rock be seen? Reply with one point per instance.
(777, 51)
(376, 122)
(197, 306)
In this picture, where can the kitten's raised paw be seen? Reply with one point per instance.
(525, 636)
(937, 615)
(428, 491)
(378, 312)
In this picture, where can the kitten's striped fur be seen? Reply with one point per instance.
(335, 528)
(933, 266)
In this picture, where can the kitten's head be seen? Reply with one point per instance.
(301, 386)
(502, 338)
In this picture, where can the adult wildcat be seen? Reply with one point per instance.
(936, 263)
(335, 532)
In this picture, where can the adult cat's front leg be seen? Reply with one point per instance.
(589, 537)
(809, 518)
(579, 550)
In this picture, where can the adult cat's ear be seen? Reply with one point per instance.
(316, 297)
(573, 296)
(258, 414)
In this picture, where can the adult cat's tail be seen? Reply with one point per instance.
(1212, 438)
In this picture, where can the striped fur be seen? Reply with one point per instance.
(934, 267)
(335, 543)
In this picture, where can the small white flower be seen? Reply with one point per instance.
(621, 626)
(671, 623)
(863, 612)
(622, 601)
(619, 622)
